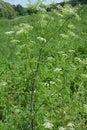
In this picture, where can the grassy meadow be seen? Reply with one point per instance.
(43, 70)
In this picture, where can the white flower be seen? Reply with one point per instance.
(52, 82)
(62, 128)
(46, 84)
(70, 124)
(26, 26)
(65, 55)
(71, 26)
(59, 14)
(61, 52)
(15, 41)
(57, 70)
(64, 112)
(41, 9)
(67, 10)
(17, 111)
(64, 36)
(48, 125)
(41, 39)
(71, 51)
(72, 33)
(50, 58)
(9, 33)
(3, 83)
(20, 32)
(78, 59)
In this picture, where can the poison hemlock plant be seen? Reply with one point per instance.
(43, 80)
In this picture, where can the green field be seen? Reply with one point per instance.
(43, 70)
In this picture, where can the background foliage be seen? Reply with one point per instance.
(6, 10)
(10, 11)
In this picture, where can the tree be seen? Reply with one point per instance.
(20, 10)
(6, 10)
(75, 2)
(83, 1)
(10, 11)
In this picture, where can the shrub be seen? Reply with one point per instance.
(6, 10)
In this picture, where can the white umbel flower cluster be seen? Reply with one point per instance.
(67, 10)
(48, 125)
(9, 33)
(3, 83)
(41, 39)
(62, 128)
(71, 26)
(15, 41)
(26, 26)
(64, 36)
(24, 29)
(56, 70)
(70, 124)
(21, 32)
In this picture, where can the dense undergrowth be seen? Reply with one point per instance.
(43, 71)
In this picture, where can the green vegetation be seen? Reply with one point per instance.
(11, 11)
(43, 70)
(6, 10)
